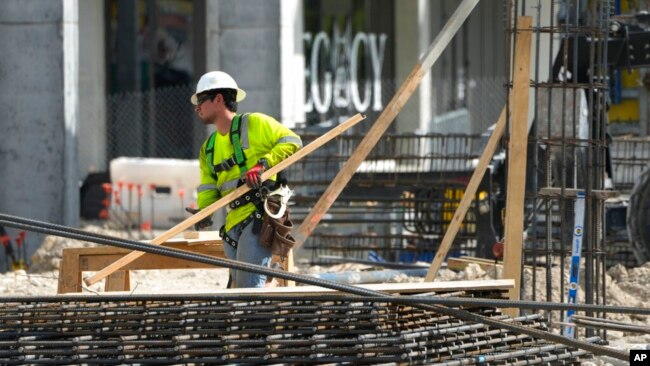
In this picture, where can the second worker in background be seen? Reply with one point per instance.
(238, 152)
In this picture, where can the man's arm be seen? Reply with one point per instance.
(281, 140)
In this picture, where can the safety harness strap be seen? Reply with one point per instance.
(238, 157)
(252, 196)
(256, 215)
(209, 152)
(235, 139)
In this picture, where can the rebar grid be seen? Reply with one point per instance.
(462, 314)
(260, 332)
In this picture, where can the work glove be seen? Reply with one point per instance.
(206, 222)
(253, 176)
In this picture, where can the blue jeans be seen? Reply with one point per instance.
(248, 250)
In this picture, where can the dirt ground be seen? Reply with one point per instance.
(625, 286)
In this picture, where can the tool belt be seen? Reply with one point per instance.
(276, 226)
(270, 220)
(256, 197)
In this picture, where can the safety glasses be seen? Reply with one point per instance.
(202, 98)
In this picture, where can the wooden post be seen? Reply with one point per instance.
(227, 198)
(69, 281)
(468, 196)
(383, 122)
(517, 146)
(522, 48)
(118, 281)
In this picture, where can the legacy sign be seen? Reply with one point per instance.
(334, 74)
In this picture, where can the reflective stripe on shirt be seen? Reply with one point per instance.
(291, 140)
(231, 184)
(206, 187)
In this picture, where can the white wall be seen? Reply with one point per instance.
(412, 39)
(292, 58)
(92, 88)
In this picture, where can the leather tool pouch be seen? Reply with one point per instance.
(276, 233)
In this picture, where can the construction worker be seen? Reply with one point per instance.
(238, 152)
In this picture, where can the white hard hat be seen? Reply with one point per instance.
(217, 80)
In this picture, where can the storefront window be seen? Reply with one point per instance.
(150, 76)
(348, 53)
(151, 42)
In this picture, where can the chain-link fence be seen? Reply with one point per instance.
(159, 123)
(150, 124)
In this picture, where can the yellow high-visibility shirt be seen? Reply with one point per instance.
(261, 137)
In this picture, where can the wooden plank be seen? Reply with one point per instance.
(95, 262)
(94, 259)
(283, 262)
(290, 268)
(517, 147)
(461, 263)
(191, 234)
(208, 236)
(77, 260)
(401, 288)
(478, 260)
(556, 192)
(203, 249)
(383, 122)
(334, 132)
(468, 197)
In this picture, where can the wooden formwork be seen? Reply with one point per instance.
(75, 261)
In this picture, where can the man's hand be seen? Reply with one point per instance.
(253, 176)
(206, 222)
